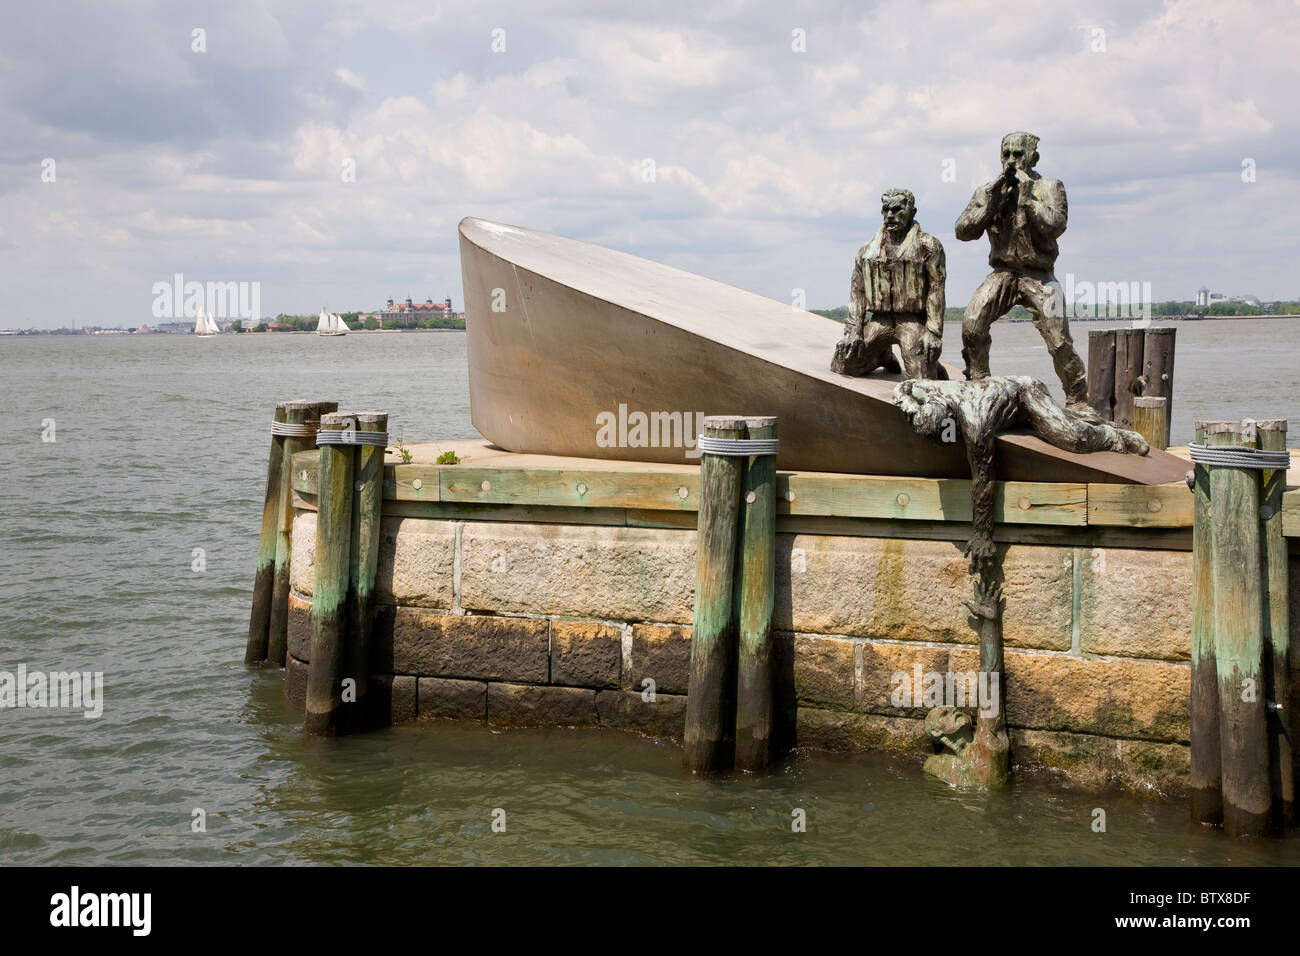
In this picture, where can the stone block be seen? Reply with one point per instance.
(884, 692)
(416, 562)
(665, 716)
(663, 654)
(1136, 603)
(821, 668)
(627, 574)
(912, 589)
(299, 627)
(441, 698)
(391, 699)
(302, 552)
(526, 705)
(295, 682)
(473, 647)
(1113, 697)
(586, 654)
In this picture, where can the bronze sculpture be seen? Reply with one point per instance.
(976, 411)
(899, 278)
(1023, 215)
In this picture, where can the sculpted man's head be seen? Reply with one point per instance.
(1020, 150)
(898, 209)
(928, 410)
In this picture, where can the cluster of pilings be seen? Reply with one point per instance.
(349, 504)
(1131, 380)
(1241, 770)
(729, 697)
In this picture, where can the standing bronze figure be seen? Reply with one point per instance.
(899, 278)
(1023, 215)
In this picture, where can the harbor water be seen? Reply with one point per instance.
(128, 549)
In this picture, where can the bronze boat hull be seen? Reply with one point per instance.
(573, 347)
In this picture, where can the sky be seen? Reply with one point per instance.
(327, 150)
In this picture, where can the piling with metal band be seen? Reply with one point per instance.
(1206, 781)
(1151, 420)
(755, 598)
(330, 583)
(263, 582)
(306, 416)
(710, 701)
(1277, 624)
(364, 557)
(1239, 636)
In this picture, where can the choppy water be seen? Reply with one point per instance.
(160, 449)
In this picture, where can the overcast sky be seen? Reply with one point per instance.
(228, 164)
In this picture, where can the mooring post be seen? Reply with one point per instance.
(1151, 420)
(1239, 636)
(1158, 372)
(301, 420)
(1101, 373)
(1128, 374)
(755, 598)
(372, 438)
(264, 579)
(1277, 623)
(330, 583)
(711, 693)
(1206, 781)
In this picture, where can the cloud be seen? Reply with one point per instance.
(769, 163)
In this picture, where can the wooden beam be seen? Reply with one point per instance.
(1140, 506)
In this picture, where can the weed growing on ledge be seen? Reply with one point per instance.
(448, 458)
(404, 452)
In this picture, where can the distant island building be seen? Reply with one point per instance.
(403, 312)
(1204, 297)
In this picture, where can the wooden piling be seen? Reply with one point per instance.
(1158, 372)
(364, 560)
(1239, 637)
(1128, 374)
(1206, 780)
(1101, 373)
(1277, 626)
(1151, 420)
(264, 578)
(710, 701)
(295, 413)
(330, 583)
(755, 598)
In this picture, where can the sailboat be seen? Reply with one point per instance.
(331, 324)
(205, 326)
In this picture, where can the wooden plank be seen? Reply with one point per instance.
(1153, 539)
(561, 487)
(526, 514)
(1158, 370)
(926, 499)
(1140, 506)
(1291, 513)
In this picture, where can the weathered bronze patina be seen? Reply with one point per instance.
(1023, 215)
(899, 278)
(974, 412)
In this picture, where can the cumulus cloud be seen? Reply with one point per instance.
(228, 164)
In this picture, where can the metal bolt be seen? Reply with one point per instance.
(417, 484)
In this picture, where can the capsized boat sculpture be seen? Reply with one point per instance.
(565, 338)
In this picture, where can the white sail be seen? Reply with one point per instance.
(205, 325)
(323, 326)
(340, 326)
